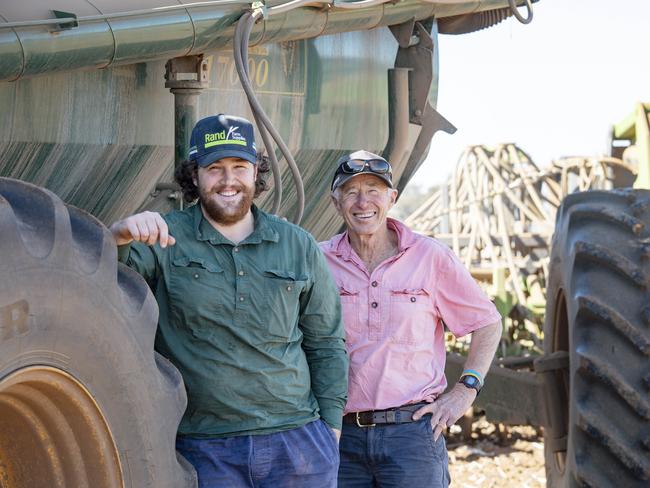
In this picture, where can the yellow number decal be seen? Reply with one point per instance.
(262, 72)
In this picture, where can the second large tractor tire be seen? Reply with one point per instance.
(84, 400)
(598, 317)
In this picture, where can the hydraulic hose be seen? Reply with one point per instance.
(242, 34)
(240, 45)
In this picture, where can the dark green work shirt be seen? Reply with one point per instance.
(255, 328)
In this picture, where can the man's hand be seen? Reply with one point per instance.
(447, 408)
(145, 227)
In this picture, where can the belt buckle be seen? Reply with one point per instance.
(359, 424)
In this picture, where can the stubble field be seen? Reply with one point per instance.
(496, 457)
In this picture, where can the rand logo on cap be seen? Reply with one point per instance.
(222, 136)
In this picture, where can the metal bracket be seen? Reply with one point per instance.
(404, 33)
(164, 198)
(556, 361)
(60, 14)
(187, 72)
(173, 190)
(261, 6)
(550, 369)
(416, 53)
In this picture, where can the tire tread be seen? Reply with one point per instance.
(599, 261)
(39, 230)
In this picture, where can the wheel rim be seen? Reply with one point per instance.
(54, 433)
(561, 343)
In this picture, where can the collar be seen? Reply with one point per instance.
(406, 238)
(204, 231)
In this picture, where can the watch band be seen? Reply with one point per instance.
(471, 381)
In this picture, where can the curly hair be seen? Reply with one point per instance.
(185, 173)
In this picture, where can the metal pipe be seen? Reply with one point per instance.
(120, 15)
(282, 8)
(186, 78)
(397, 147)
(30, 48)
(358, 5)
(285, 7)
(186, 109)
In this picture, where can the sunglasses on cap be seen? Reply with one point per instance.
(354, 166)
(360, 162)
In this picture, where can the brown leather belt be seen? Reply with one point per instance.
(370, 418)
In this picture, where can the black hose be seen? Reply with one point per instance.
(248, 22)
(241, 60)
(242, 35)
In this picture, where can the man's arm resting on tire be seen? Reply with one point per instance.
(450, 406)
(146, 227)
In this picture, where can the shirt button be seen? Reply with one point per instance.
(374, 283)
(241, 273)
(289, 288)
(236, 249)
(196, 275)
(412, 299)
(374, 304)
(241, 299)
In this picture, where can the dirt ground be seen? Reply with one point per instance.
(496, 457)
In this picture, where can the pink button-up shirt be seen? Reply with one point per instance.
(393, 317)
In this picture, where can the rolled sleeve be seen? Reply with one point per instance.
(462, 305)
(323, 341)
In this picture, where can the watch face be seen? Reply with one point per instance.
(470, 381)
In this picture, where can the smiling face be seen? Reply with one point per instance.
(226, 189)
(364, 202)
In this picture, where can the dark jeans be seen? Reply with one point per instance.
(305, 457)
(393, 455)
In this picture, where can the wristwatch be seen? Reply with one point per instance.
(471, 382)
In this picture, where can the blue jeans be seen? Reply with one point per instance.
(305, 457)
(393, 455)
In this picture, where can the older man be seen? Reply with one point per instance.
(249, 315)
(397, 289)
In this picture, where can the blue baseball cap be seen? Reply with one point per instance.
(222, 136)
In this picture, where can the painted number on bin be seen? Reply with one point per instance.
(276, 69)
(258, 71)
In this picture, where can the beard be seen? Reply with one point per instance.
(230, 213)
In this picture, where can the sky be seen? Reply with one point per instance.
(554, 86)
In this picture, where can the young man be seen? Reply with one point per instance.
(249, 315)
(396, 289)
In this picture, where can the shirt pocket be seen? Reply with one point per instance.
(350, 307)
(282, 303)
(411, 316)
(198, 292)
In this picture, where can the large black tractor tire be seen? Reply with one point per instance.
(598, 313)
(84, 400)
